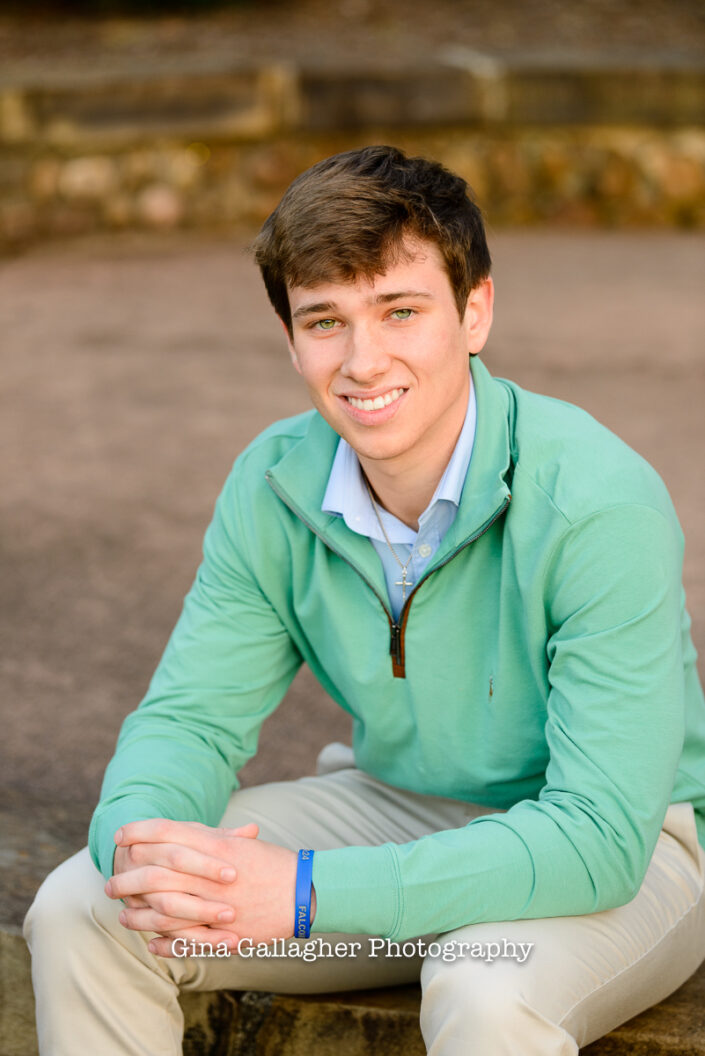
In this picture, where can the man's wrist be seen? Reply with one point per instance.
(304, 894)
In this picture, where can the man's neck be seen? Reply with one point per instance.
(394, 497)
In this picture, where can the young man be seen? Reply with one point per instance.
(490, 583)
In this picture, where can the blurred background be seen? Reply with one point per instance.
(141, 145)
(197, 115)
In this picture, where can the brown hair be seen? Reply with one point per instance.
(348, 215)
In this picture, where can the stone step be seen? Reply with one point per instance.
(364, 1023)
(565, 142)
(464, 89)
(386, 1023)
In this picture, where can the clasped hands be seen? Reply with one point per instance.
(185, 880)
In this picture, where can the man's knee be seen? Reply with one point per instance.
(71, 898)
(467, 989)
(487, 1007)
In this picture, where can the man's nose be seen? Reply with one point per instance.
(365, 354)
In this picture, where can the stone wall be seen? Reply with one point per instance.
(216, 150)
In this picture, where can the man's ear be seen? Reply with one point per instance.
(478, 315)
(290, 345)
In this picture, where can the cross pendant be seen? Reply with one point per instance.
(403, 583)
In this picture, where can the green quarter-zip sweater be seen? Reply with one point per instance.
(543, 665)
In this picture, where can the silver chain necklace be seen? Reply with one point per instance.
(403, 582)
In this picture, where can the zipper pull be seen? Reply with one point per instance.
(395, 643)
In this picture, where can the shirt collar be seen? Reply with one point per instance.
(347, 496)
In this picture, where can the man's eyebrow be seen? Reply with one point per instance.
(314, 309)
(385, 298)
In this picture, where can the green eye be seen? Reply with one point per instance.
(325, 324)
(402, 313)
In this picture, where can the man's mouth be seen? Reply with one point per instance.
(378, 402)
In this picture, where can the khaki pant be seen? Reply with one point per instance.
(100, 991)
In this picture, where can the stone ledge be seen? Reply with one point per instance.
(386, 1022)
(486, 93)
(352, 1024)
(383, 1022)
(582, 176)
(254, 104)
(579, 144)
(114, 112)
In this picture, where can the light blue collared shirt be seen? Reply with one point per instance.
(347, 497)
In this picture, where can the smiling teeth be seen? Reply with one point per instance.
(377, 403)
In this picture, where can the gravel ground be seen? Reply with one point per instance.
(354, 33)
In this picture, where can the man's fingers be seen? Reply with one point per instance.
(173, 911)
(151, 878)
(150, 920)
(190, 834)
(135, 902)
(194, 942)
(250, 831)
(179, 906)
(181, 860)
(161, 830)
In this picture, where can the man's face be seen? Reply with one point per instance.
(386, 361)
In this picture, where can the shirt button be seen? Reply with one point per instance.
(424, 550)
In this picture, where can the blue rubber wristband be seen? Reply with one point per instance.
(304, 887)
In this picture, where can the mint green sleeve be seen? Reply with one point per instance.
(614, 730)
(227, 665)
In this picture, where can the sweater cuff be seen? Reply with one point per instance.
(105, 823)
(357, 890)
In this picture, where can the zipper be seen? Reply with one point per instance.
(396, 630)
(397, 643)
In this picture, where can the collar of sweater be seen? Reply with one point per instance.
(300, 477)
